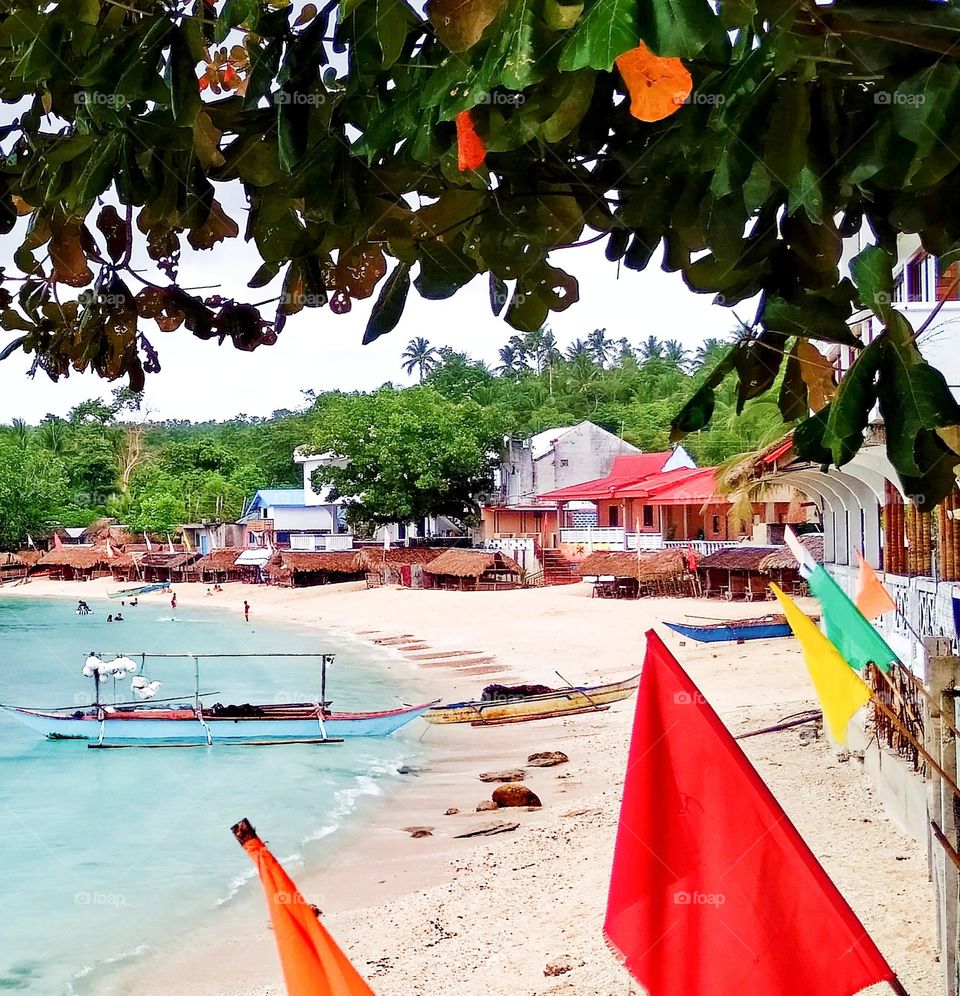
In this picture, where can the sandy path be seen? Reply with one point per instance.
(440, 915)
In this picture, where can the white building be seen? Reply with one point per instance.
(559, 458)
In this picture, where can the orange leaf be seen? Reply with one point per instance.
(203, 82)
(658, 87)
(470, 148)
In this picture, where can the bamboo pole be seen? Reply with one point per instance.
(897, 986)
(947, 846)
(917, 746)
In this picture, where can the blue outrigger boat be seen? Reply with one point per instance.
(763, 628)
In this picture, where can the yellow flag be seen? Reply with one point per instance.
(188, 546)
(840, 689)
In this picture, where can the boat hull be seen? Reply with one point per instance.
(550, 705)
(222, 730)
(721, 634)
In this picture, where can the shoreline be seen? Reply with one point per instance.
(488, 914)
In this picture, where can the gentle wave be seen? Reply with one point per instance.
(105, 963)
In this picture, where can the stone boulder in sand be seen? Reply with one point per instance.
(482, 807)
(547, 759)
(515, 795)
(511, 775)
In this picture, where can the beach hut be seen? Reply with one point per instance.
(736, 572)
(302, 569)
(168, 567)
(219, 566)
(75, 563)
(781, 566)
(15, 566)
(629, 575)
(472, 570)
(387, 566)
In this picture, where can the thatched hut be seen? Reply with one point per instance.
(219, 566)
(123, 566)
(387, 566)
(75, 563)
(472, 570)
(657, 573)
(17, 565)
(302, 569)
(781, 566)
(169, 567)
(735, 572)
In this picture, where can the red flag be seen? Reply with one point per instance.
(57, 543)
(312, 963)
(713, 891)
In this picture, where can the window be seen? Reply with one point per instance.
(264, 513)
(614, 519)
(916, 278)
(947, 281)
(648, 516)
(715, 524)
(564, 463)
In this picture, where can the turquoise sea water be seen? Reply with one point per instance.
(109, 854)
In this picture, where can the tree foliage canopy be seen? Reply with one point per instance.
(340, 126)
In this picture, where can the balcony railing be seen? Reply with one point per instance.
(614, 538)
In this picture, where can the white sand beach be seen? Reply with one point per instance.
(435, 914)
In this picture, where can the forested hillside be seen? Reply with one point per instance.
(416, 449)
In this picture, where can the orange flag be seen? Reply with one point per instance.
(872, 598)
(312, 963)
(57, 544)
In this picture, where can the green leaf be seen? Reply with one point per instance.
(913, 397)
(684, 28)
(459, 24)
(393, 18)
(812, 316)
(808, 438)
(851, 407)
(234, 13)
(264, 275)
(785, 144)
(388, 308)
(939, 475)
(872, 272)
(695, 414)
(608, 29)
(571, 109)
(182, 80)
(792, 399)
(757, 362)
(511, 60)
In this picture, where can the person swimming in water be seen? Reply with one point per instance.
(110, 617)
(118, 618)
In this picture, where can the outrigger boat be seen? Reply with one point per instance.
(505, 705)
(178, 723)
(142, 589)
(762, 628)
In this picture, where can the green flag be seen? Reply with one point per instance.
(847, 628)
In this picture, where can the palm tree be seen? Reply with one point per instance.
(509, 361)
(577, 348)
(521, 350)
(599, 346)
(709, 351)
(626, 350)
(420, 354)
(674, 353)
(651, 348)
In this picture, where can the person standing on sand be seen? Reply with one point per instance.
(173, 601)
(246, 611)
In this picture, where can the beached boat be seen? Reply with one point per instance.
(504, 707)
(763, 628)
(187, 721)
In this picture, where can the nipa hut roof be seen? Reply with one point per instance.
(22, 558)
(459, 563)
(331, 561)
(374, 557)
(784, 560)
(167, 559)
(645, 567)
(79, 558)
(219, 560)
(738, 558)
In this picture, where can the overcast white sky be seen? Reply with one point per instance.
(319, 350)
